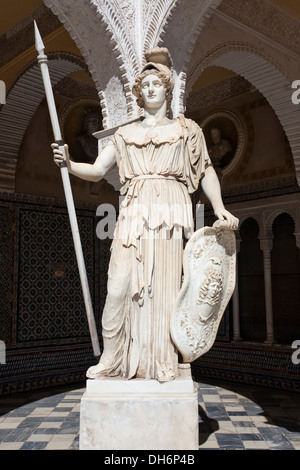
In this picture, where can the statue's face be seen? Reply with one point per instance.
(153, 91)
(213, 289)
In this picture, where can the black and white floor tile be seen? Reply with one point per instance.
(231, 417)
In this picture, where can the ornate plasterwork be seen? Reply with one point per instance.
(134, 26)
(113, 35)
(264, 72)
(73, 88)
(181, 35)
(264, 212)
(267, 19)
(113, 103)
(271, 187)
(11, 45)
(225, 49)
(91, 37)
(270, 216)
(119, 21)
(218, 92)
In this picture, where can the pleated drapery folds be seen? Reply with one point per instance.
(158, 168)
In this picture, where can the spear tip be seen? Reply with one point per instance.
(39, 45)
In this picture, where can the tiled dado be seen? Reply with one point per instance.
(250, 363)
(42, 317)
(42, 314)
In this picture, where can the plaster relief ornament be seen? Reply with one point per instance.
(161, 162)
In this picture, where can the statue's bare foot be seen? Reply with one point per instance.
(96, 371)
(165, 374)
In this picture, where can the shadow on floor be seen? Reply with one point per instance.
(16, 400)
(207, 426)
(279, 407)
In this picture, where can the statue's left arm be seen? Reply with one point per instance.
(211, 187)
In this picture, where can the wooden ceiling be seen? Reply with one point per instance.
(13, 11)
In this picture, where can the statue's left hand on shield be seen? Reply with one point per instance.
(226, 220)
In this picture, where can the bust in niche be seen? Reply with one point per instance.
(87, 142)
(221, 150)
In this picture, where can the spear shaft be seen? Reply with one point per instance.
(42, 60)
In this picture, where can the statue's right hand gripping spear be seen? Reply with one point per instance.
(42, 59)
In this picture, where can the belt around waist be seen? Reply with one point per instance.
(153, 177)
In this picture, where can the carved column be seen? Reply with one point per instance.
(297, 236)
(266, 245)
(235, 299)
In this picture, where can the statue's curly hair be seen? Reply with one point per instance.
(166, 80)
(211, 275)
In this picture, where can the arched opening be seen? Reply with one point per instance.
(23, 99)
(285, 258)
(259, 71)
(251, 283)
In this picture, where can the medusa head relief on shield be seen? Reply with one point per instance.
(211, 288)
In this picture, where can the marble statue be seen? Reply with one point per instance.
(161, 162)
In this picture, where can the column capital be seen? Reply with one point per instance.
(266, 243)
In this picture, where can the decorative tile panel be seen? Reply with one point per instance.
(7, 216)
(50, 300)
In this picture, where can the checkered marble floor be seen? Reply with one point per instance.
(231, 417)
(235, 417)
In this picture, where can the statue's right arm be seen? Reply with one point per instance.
(86, 171)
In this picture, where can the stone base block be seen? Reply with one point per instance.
(139, 414)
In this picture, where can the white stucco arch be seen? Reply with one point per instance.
(183, 29)
(273, 216)
(244, 218)
(113, 35)
(263, 73)
(23, 99)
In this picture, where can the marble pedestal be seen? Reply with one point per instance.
(138, 414)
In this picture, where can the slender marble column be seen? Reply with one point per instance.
(297, 236)
(266, 244)
(235, 299)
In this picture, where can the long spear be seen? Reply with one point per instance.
(42, 60)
